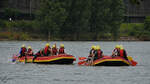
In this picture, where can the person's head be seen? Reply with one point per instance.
(121, 47)
(62, 45)
(117, 46)
(93, 47)
(29, 47)
(98, 47)
(54, 46)
(23, 46)
(47, 45)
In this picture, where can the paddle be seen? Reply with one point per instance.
(81, 62)
(133, 63)
(82, 58)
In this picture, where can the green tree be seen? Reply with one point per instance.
(51, 16)
(77, 18)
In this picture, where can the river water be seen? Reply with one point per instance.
(21, 73)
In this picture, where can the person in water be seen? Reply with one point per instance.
(23, 51)
(29, 52)
(91, 55)
(54, 50)
(98, 53)
(116, 51)
(61, 49)
(123, 53)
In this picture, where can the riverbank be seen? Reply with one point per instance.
(29, 31)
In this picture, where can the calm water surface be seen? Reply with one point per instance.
(20, 73)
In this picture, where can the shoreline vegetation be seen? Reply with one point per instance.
(74, 20)
(127, 32)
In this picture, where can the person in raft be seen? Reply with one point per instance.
(54, 50)
(98, 53)
(91, 55)
(29, 51)
(116, 51)
(43, 52)
(23, 51)
(61, 49)
(123, 52)
(46, 51)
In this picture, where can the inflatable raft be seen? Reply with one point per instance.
(56, 59)
(109, 61)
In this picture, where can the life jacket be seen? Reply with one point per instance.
(91, 52)
(61, 51)
(46, 51)
(99, 53)
(29, 52)
(121, 53)
(23, 50)
(116, 51)
(54, 51)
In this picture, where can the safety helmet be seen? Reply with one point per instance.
(97, 47)
(29, 47)
(23, 46)
(61, 45)
(53, 46)
(117, 46)
(47, 44)
(92, 47)
(121, 47)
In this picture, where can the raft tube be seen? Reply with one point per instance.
(108, 61)
(55, 59)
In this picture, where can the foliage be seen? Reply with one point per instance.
(72, 20)
(51, 16)
(11, 13)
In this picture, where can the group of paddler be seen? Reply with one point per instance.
(46, 51)
(97, 53)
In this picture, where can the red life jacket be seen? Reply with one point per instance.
(24, 50)
(29, 52)
(54, 50)
(45, 50)
(99, 53)
(61, 51)
(122, 53)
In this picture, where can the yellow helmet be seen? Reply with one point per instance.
(47, 44)
(61, 45)
(53, 46)
(92, 47)
(117, 46)
(121, 47)
(23, 46)
(29, 47)
(98, 47)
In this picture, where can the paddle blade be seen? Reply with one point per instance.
(82, 58)
(81, 62)
(134, 63)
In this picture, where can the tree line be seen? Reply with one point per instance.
(74, 20)
(80, 19)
